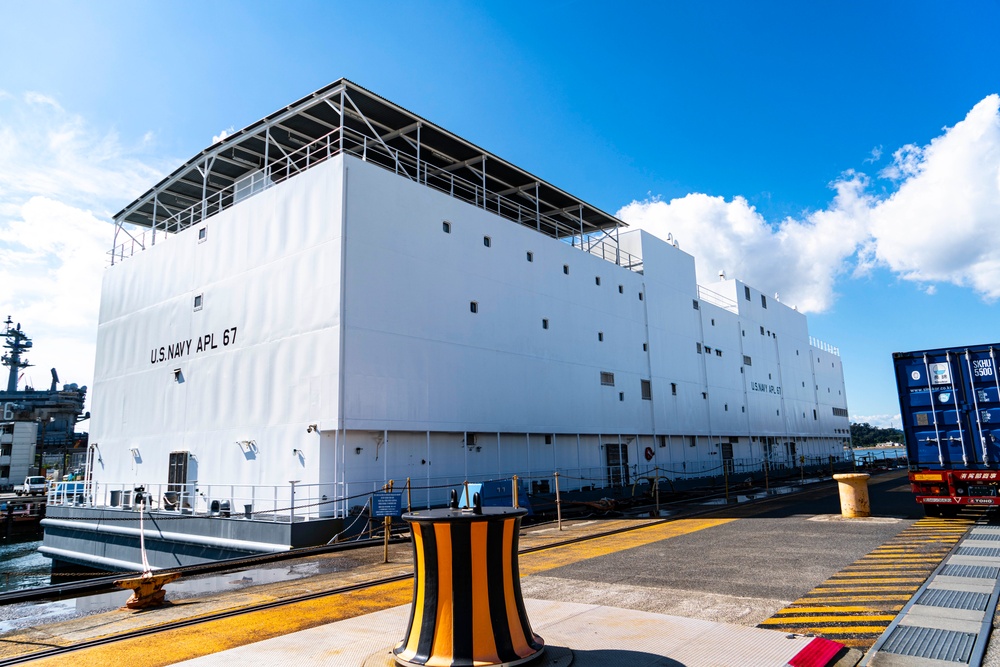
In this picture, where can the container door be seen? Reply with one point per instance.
(930, 399)
(983, 411)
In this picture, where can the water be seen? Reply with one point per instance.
(879, 453)
(22, 566)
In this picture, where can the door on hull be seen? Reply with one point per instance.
(177, 495)
(727, 456)
(617, 462)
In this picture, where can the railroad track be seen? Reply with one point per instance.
(62, 651)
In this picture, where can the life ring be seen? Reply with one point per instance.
(649, 453)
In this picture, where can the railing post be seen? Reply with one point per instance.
(558, 502)
(291, 509)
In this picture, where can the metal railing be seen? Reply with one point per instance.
(826, 347)
(308, 502)
(716, 299)
(373, 151)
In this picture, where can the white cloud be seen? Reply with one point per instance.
(222, 135)
(937, 226)
(60, 179)
(940, 224)
(799, 259)
(881, 421)
(47, 151)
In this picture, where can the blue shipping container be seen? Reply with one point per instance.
(949, 401)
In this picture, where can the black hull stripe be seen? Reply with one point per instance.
(429, 620)
(498, 607)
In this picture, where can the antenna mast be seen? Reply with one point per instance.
(17, 342)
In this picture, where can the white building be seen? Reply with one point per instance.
(17, 451)
(345, 293)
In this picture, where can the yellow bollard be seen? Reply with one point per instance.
(853, 495)
(147, 590)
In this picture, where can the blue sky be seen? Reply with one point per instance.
(845, 155)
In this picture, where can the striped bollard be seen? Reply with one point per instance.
(467, 605)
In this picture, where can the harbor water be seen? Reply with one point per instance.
(23, 566)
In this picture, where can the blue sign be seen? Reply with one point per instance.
(387, 503)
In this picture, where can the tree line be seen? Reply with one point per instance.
(866, 435)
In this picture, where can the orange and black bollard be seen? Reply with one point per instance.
(467, 605)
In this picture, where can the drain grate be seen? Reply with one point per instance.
(984, 535)
(930, 643)
(971, 571)
(989, 552)
(940, 597)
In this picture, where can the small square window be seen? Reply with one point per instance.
(713, 322)
(621, 289)
(446, 227)
(199, 300)
(487, 241)
(747, 361)
(566, 269)
(673, 388)
(746, 292)
(708, 350)
(694, 304)
(640, 296)
(762, 331)
(621, 396)
(202, 234)
(718, 352)
(645, 347)
(597, 280)
(545, 323)
(548, 439)
(647, 390)
(530, 256)
(600, 336)
(607, 379)
(763, 301)
(473, 306)
(698, 347)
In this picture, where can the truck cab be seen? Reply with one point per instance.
(34, 485)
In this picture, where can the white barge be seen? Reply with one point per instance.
(344, 293)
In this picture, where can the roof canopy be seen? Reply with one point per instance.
(344, 117)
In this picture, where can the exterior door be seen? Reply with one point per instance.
(617, 463)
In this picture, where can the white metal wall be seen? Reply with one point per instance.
(421, 370)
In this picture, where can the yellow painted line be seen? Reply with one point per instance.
(881, 568)
(828, 608)
(864, 589)
(550, 559)
(861, 574)
(833, 599)
(874, 580)
(171, 646)
(846, 630)
(795, 620)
